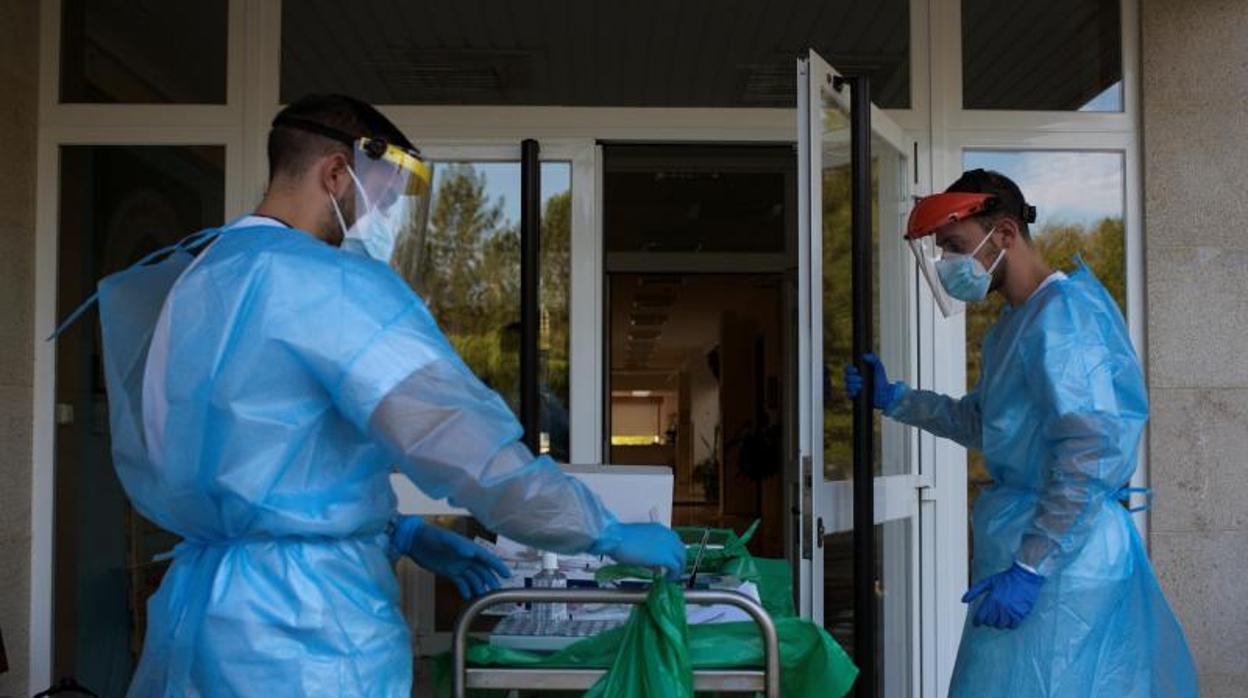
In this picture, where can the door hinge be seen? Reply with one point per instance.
(928, 493)
(820, 532)
(915, 160)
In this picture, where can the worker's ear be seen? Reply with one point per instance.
(333, 174)
(1008, 234)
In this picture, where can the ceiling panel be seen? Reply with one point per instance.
(693, 53)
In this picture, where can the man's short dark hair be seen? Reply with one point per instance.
(1009, 198)
(292, 150)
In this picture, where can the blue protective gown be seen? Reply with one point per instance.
(1058, 413)
(259, 394)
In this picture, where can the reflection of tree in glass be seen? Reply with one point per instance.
(468, 273)
(556, 275)
(838, 335)
(1101, 247)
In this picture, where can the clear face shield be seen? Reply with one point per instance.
(929, 215)
(392, 189)
(929, 255)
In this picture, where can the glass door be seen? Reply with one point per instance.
(857, 292)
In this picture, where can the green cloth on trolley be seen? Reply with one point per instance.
(812, 664)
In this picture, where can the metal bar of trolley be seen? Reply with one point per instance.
(726, 680)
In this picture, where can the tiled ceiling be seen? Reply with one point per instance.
(733, 53)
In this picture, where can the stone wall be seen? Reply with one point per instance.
(1195, 129)
(19, 99)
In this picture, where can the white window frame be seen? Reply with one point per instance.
(954, 130)
(100, 124)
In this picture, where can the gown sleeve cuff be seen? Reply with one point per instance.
(897, 393)
(402, 530)
(1038, 554)
(1027, 567)
(607, 541)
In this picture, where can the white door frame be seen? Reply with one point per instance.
(83, 124)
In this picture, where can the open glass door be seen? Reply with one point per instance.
(860, 576)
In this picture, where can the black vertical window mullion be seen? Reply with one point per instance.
(530, 281)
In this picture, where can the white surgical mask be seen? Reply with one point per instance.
(375, 235)
(371, 235)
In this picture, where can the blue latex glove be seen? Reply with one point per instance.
(645, 545)
(1008, 597)
(886, 394)
(473, 569)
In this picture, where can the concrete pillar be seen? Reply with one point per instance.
(1195, 128)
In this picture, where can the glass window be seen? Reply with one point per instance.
(468, 272)
(1080, 204)
(698, 354)
(890, 326)
(1063, 55)
(652, 53)
(556, 285)
(894, 612)
(114, 51)
(838, 337)
(695, 384)
(698, 199)
(117, 203)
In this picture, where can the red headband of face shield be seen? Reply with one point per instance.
(931, 213)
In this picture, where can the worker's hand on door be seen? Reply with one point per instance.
(473, 569)
(885, 395)
(645, 545)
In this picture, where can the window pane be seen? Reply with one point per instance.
(143, 52)
(888, 176)
(117, 203)
(470, 268)
(468, 272)
(1063, 55)
(694, 53)
(556, 283)
(894, 614)
(1079, 199)
(698, 286)
(698, 199)
(696, 384)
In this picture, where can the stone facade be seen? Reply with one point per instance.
(19, 110)
(1195, 155)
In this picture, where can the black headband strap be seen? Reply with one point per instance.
(375, 147)
(982, 180)
(313, 127)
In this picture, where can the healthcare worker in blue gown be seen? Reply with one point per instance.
(263, 381)
(1063, 601)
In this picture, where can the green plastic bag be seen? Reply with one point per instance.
(772, 577)
(653, 656)
(734, 546)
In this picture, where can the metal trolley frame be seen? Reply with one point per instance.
(724, 680)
